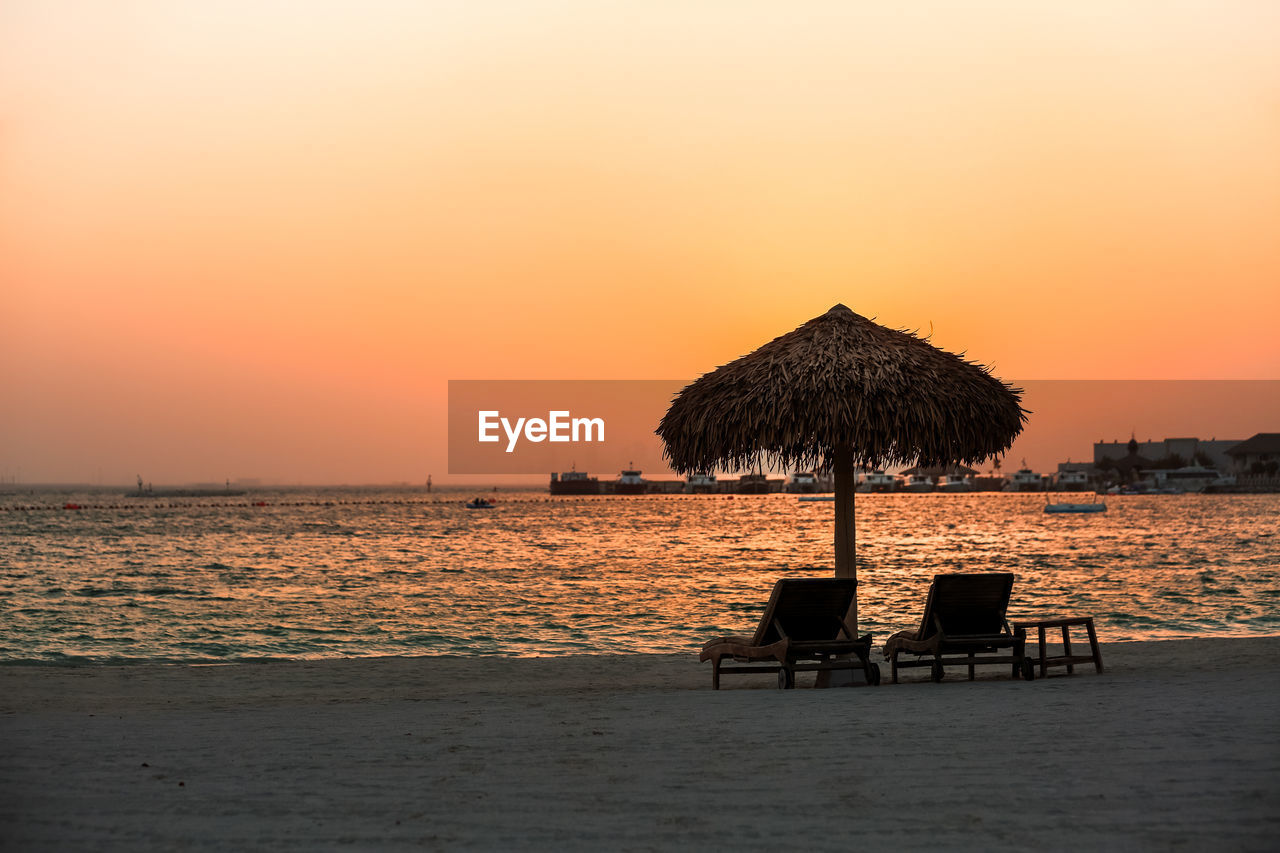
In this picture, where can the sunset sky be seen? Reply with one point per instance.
(256, 239)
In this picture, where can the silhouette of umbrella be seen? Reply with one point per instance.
(838, 392)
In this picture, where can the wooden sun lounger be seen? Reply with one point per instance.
(963, 625)
(803, 629)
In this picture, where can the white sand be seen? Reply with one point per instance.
(1176, 746)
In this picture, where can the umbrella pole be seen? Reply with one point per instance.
(845, 483)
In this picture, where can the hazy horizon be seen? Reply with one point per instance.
(1067, 417)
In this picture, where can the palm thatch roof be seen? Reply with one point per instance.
(840, 380)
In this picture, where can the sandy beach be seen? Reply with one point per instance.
(1175, 746)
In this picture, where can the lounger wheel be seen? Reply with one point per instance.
(873, 674)
(1028, 669)
(936, 672)
(786, 679)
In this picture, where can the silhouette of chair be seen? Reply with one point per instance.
(963, 624)
(803, 629)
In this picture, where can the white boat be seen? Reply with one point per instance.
(948, 483)
(917, 483)
(1072, 481)
(701, 484)
(877, 481)
(1190, 478)
(631, 483)
(802, 482)
(1025, 480)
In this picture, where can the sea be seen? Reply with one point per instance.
(90, 576)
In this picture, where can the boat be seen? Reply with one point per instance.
(1072, 481)
(200, 490)
(956, 483)
(1070, 507)
(816, 498)
(992, 482)
(702, 484)
(186, 493)
(630, 483)
(877, 480)
(1189, 478)
(574, 482)
(1143, 487)
(802, 482)
(480, 503)
(1025, 480)
(917, 483)
(753, 484)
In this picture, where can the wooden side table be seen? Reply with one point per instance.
(1066, 659)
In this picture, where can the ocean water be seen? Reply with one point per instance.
(328, 573)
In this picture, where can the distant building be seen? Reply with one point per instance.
(1189, 450)
(1263, 451)
(1125, 465)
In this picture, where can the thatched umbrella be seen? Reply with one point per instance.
(839, 392)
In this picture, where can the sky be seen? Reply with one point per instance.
(256, 239)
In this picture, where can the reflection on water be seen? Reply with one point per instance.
(540, 576)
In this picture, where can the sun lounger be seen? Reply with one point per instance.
(964, 624)
(803, 629)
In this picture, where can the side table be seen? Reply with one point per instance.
(1066, 659)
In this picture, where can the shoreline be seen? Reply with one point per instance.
(132, 686)
(880, 631)
(1175, 745)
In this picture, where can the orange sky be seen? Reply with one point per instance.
(237, 240)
